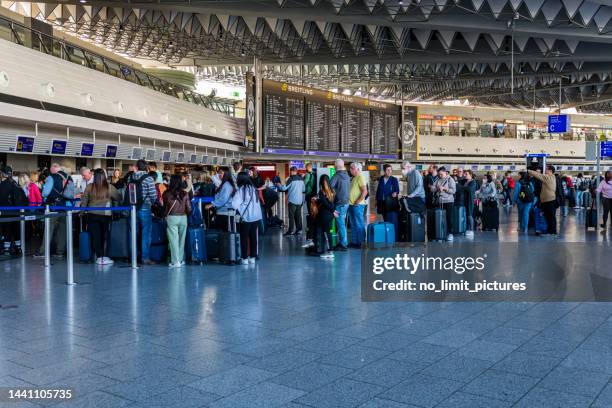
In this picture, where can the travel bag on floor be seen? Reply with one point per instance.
(459, 220)
(490, 218)
(229, 242)
(159, 241)
(591, 218)
(540, 222)
(381, 233)
(85, 249)
(195, 245)
(415, 228)
(436, 225)
(118, 246)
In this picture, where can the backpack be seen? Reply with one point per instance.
(526, 193)
(582, 184)
(511, 182)
(56, 197)
(17, 197)
(137, 182)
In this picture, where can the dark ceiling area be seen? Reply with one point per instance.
(514, 53)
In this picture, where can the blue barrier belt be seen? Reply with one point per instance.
(76, 209)
(202, 199)
(21, 208)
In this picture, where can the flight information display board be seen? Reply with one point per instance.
(384, 132)
(322, 126)
(302, 120)
(356, 129)
(283, 117)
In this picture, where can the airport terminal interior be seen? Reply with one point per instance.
(193, 195)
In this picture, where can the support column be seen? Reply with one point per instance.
(258, 68)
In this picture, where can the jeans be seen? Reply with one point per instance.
(249, 237)
(98, 227)
(356, 218)
(145, 222)
(176, 230)
(579, 195)
(341, 224)
(295, 218)
(393, 218)
(523, 215)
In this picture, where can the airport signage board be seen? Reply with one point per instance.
(87, 149)
(558, 123)
(307, 121)
(58, 147)
(606, 149)
(136, 153)
(25, 144)
(111, 151)
(165, 156)
(298, 164)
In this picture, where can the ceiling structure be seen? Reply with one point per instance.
(513, 53)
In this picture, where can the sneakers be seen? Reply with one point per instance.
(108, 261)
(340, 248)
(38, 255)
(289, 234)
(100, 261)
(174, 265)
(244, 261)
(252, 260)
(469, 234)
(327, 255)
(450, 238)
(309, 243)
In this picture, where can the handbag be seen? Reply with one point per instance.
(392, 204)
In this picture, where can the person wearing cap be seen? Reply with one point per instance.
(294, 186)
(11, 195)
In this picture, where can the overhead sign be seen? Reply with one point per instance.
(111, 151)
(165, 156)
(606, 149)
(299, 164)
(87, 149)
(25, 144)
(58, 146)
(558, 123)
(136, 153)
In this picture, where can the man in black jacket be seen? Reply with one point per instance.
(11, 195)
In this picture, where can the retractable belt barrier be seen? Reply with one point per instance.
(51, 211)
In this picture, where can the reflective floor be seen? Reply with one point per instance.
(291, 331)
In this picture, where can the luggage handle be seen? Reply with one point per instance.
(232, 226)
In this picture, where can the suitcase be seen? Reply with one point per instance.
(195, 245)
(85, 251)
(413, 230)
(540, 222)
(229, 243)
(591, 218)
(118, 246)
(587, 199)
(436, 225)
(212, 239)
(459, 220)
(381, 233)
(490, 218)
(159, 241)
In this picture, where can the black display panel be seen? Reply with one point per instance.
(322, 126)
(283, 120)
(355, 135)
(384, 132)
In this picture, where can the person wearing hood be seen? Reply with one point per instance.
(340, 183)
(294, 186)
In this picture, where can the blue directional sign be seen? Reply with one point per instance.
(558, 123)
(25, 144)
(87, 149)
(606, 149)
(58, 146)
(111, 151)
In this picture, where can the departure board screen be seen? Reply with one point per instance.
(356, 129)
(322, 126)
(283, 120)
(302, 120)
(384, 132)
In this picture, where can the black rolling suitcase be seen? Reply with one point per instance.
(591, 218)
(118, 244)
(459, 220)
(229, 243)
(490, 217)
(436, 224)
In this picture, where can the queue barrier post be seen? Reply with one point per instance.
(47, 238)
(22, 232)
(70, 249)
(133, 236)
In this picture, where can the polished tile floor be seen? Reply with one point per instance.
(292, 331)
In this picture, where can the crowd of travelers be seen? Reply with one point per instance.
(242, 197)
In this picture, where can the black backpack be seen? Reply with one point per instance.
(526, 193)
(56, 197)
(137, 182)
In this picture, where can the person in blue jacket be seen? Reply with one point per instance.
(387, 192)
(223, 202)
(525, 198)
